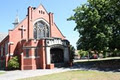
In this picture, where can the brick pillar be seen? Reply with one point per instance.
(6, 60)
(30, 27)
(11, 44)
(7, 56)
(10, 50)
(43, 57)
(22, 61)
(51, 18)
(33, 59)
(51, 22)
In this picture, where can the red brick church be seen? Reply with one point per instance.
(36, 40)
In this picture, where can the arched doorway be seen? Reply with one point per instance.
(57, 55)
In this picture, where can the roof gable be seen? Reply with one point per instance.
(42, 9)
(2, 36)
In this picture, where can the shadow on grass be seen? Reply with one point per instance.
(102, 65)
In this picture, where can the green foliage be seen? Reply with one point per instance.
(116, 52)
(83, 53)
(2, 73)
(98, 23)
(13, 63)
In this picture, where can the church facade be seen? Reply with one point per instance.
(37, 42)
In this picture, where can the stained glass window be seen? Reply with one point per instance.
(41, 30)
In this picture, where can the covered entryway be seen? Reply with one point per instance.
(57, 55)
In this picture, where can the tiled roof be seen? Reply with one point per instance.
(2, 36)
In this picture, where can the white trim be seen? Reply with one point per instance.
(29, 47)
(48, 58)
(40, 19)
(10, 54)
(21, 54)
(31, 57)
(10, 43)
(7, 54)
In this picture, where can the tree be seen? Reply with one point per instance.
(13, 63)
(115, 23)
(98, 23)
(83, 53)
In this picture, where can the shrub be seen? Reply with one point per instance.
(83, 53)
(13, 63)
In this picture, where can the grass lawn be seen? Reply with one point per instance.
(78, 75)
(2, 73)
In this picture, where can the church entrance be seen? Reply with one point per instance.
(57, 56)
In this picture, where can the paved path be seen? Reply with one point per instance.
(17, 74)
(99, 59)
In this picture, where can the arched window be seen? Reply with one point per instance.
(41, 30)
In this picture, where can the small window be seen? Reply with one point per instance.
(27, 52)
(1, 51)
(6, 48)
(36, 52)
(43, 12)
(39, 11)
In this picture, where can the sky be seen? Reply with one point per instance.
(62, 10)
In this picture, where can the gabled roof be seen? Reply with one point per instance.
(42, 7)
(59, 31)
(2, 36)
